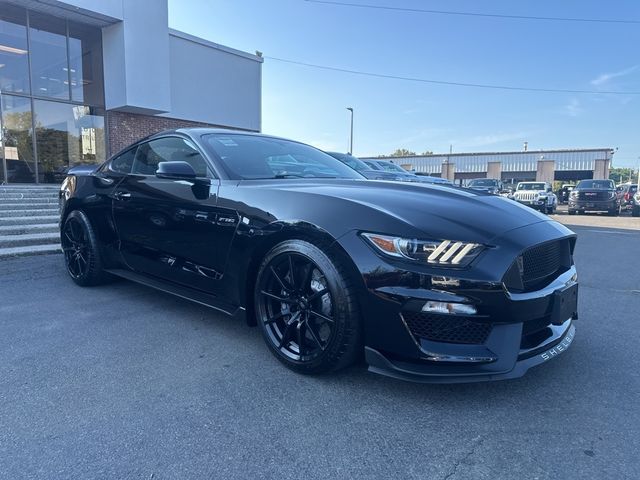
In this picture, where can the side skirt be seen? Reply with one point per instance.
(195, 296)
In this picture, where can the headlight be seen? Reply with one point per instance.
(637, 197)
(573, 194)
(434, 252)
(612, 195)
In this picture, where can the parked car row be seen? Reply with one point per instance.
(384, 170)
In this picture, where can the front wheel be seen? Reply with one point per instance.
(635, 212)
(81, 250)
(551, 210)
(571, 212)
(306, 308)
(614, 212)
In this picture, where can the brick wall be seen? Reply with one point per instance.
(126, 128)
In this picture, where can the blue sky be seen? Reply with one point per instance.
(308, 104)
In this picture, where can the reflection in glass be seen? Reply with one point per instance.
(17, 147)
(85, 64)
(49, 66)
(67, 135)
(14, 62)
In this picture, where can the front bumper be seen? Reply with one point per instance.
(593, 205)
(522, 329)
(558, 341)
(537, 204)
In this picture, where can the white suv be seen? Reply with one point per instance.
(538, 195)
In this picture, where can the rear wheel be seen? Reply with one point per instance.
(306, 308)
(81, 250)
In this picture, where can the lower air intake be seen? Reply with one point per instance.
(446, 328)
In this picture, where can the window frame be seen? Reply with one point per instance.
(211, 173)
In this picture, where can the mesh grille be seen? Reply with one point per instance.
(446, 328)
(540, 263)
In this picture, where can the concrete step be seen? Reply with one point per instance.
(9, 201)
(26, 206)
(29, 250)
(7, 241)
(22, 229)
(37, 190)
(40, 212)
(31, 220)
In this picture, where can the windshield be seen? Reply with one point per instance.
(372, 165)
(392, 167)
(247, 157)
(350, 160)
(483, 182)
(531, 186)
(596, 184)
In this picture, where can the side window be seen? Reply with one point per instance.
(124, 162)
(169, 149)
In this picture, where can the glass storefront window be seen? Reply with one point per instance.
(17, 145)
(49, 65)
(67, 135)
(14, 60)
(85, 64)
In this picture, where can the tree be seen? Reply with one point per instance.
(619, 175)
(402, 152)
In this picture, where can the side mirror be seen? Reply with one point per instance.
(177, 170)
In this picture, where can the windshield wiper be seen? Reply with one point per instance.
(288, 175)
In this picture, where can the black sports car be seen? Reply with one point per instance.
(433, 284)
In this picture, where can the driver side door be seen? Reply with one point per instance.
(171, 228)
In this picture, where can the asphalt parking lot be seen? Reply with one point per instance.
(121, 381)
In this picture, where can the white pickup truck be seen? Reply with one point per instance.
(538, 195)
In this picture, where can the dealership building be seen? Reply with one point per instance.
(527, 165)
(81, 79)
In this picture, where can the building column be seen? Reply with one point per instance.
(449, 171)
(601, 170)
(494, 170)
(546, 171)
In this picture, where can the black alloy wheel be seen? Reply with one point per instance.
(306, 308)
(81, 251)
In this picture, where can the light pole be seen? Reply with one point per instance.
(351, 137)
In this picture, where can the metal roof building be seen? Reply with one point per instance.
(566, 164)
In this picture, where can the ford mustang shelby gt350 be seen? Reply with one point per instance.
(429, 283)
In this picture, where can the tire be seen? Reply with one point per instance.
(551, 210)
(82, 254)
(614, 212)
(292, 310)
(571, 212)
(635, 211)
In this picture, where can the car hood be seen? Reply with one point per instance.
(420, 209)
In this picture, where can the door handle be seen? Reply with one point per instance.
(122, 195)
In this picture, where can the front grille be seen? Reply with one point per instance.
(526, 196)
(538, 266)
(446, 328)
(541, 262)
(597, 196)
